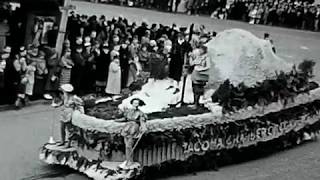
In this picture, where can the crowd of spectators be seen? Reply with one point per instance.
(301, 14)
(288, 13)
(102, 56)
(99, 56)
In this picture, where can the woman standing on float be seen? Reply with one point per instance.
(135, 126)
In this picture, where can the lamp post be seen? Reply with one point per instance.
(66, 6)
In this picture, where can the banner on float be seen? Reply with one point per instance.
(245, 139)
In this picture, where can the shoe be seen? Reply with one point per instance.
(53, 104)
(176, 91)
(116, 97)
(47, 97)
(306, 136)
(26, 101)
(18, 104)
(170, 87)
(61, 144)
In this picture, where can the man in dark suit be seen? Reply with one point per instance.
(179, 49)
(78, 70)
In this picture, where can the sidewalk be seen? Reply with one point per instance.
(8, 107)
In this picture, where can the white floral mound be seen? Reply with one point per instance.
(157, 96)
(240, 56)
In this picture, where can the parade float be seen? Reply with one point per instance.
(258, 103)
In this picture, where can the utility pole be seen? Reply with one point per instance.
(63, 25)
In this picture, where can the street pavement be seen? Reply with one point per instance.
(23, 132)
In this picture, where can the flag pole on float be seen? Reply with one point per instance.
(186, 67)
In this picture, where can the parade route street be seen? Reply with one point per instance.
(23, 132)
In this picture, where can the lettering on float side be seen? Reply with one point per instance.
(241, 139)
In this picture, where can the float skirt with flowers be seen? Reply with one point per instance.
(187, 143)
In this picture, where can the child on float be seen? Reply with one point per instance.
(70, 103)
(200, 73)
(135, 126)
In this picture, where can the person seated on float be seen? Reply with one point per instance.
(135, 126)
(70, 103)
(200, 73)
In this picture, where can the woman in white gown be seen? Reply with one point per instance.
(114, 78)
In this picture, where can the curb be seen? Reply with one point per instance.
(9, 107)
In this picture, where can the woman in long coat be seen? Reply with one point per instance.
(125, 56)
(179, 49)
(103, 62)
(114, 78)
(52, 82)
(66, 65)
(158, 63)
(41, 72)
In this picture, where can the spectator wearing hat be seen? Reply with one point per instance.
(53, 78)
(144, 56)
(103, 34)
(66, 45)
(124, 57)
(66, 65)
(30, 76)
(34, 55)
(157, 64)
(78, 70)
(153, 31)
(69, 103)
(19, 78)
(114, 77)
(146, 38)
(141, 30)
(89, 54)
(102, 63)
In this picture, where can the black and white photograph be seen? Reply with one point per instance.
(159, 89)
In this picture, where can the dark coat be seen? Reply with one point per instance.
(77, 72)
(158, 63)
(124, 64)
(177, 59)
(102, 63)
(53, 71)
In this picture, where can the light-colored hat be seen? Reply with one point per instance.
(153, 43)
(87, 44)
(67, 88)
(7, 49)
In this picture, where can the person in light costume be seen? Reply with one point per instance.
(135, 126)
(70, 103)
